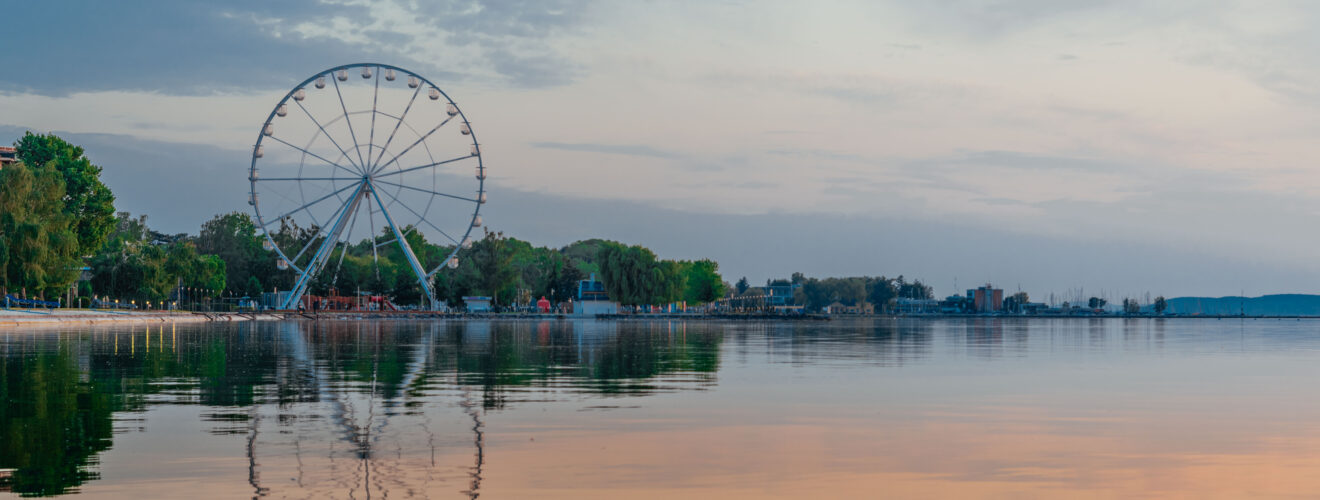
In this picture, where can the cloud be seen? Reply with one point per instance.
(1032, 161)
(613, 149)
(198, 48)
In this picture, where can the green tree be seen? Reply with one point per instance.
(819, 294)
(1096, 303)
(881, 292)
(1013, 303)
(742, 285)
(133, 266)
(88, 202)
(633, 276)
(37, 238)
(233, 237)
(487, 270)
(1161, 305)
(583, 254)
(703, 282)
(1131, 306)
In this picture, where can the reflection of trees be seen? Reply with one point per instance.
(611, 358)
(52, 422)
(58, 395)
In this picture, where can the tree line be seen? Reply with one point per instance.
(57, 219)
(817, 294)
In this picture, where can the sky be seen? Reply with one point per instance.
(1052, 146)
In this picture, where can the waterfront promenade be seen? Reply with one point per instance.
(36, 318)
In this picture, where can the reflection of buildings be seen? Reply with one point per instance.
(841, 308)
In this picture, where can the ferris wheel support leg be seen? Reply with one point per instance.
(422, 277)
(322, 254)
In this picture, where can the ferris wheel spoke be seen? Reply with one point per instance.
(403, 244)
(413, 145)
(375, 97)
(343, 251)
(428, 165)
(437, 193)
(319, 230)
(313, 202)
(314, 155)
(414, 212)
(371, 218)
(386, 147)
(348, 122)
(328, 136)
(259, 179)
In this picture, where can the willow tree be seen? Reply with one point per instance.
(38, 246)
(633, 276)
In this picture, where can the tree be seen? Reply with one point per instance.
(133, 265)
(1161, 305)
(1096, 303)
(633, 276)
(491, 259)
(38, 243)
(818, 294)
(1131, 306)
(881, 292)
(1014, 303)
(233, 238)
(561, 278)
(703, 282)
(914, 290)
(742, 285)
(86, 201)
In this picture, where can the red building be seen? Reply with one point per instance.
(987, 299)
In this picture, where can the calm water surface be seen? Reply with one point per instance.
(1075, 408)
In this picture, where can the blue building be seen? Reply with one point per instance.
(592, 299)
(590, 289)
(477, 303)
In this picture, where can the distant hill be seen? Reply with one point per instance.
(1268, 305)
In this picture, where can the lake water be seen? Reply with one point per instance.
(867, 408)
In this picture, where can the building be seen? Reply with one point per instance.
(986, 299)
(477, 303)
(956, 304)
(780, 295)
(591, 289)
(7, 155)
(592, 299)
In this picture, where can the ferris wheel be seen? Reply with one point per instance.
(365, 154)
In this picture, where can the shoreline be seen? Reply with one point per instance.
(27, 318)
